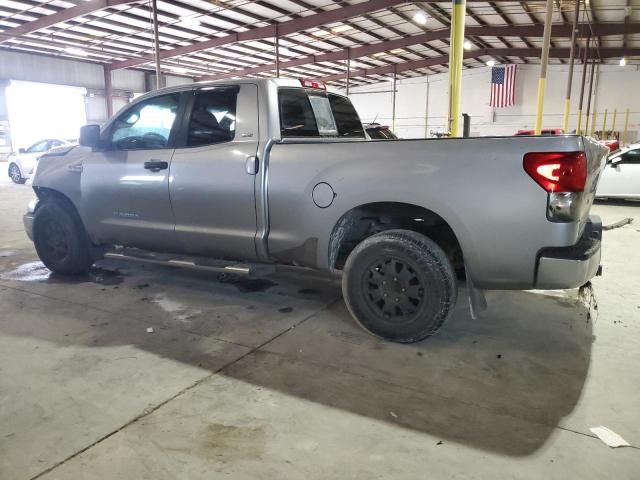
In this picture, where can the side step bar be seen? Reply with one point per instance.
(215, 266)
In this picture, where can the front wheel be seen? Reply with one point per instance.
(16, 175)
(399, 285)
(60, 238)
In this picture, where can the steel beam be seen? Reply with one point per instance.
(440, 34)
(605, 52)
(269, 31)
(61, 16)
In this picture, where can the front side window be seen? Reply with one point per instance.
(347, 119)
(38, 147)
(146, 126)
(296, 114)
(213, 119)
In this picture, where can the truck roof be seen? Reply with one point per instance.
(280, 82)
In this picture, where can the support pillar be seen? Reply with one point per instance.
(456, 55)
(544, 61)
(585, 64)
(108, 91)
(567, 100)
(156, 43)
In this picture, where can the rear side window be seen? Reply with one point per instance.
(296, 114)
(213, 118)
(346, 117)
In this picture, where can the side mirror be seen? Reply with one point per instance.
(89, 136)
(21, 150)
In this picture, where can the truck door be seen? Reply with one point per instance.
(212, 176)
(125, 185)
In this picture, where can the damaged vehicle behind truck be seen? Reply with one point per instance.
(242, 175)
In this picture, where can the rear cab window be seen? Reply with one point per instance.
(316, 113)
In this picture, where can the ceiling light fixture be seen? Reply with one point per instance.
(76, 51)
(342, 28)
(623, 61)
(190, 21)
(468, 45)
(321, 33)
(491, 63)
(420, 18)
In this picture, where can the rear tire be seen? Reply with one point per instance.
(399, 285)
(60, 238)
(16, 175)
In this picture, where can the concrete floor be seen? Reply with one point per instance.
(272, 379)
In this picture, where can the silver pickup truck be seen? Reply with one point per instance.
(242, 175)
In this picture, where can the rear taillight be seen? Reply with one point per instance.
(557, 171)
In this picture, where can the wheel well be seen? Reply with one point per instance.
(366, 220)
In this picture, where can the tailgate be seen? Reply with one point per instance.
(596, 154)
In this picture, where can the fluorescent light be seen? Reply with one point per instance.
(190, 21)
(420, 17)
(321, 33)
(379, 54)
(398, 51)
(468, 45)
(623, 61)
(342, 29)
(491, 63)
(76, 51)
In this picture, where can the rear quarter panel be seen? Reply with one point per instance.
(478, 185)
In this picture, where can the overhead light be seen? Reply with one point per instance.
(491, 63)
(342, 29)
(321, 33)
(420, 18)
(178, 69)
(76, 51)
(190, 21)
(468, 45)
(398, 51)
(379, 54)
(623, 61)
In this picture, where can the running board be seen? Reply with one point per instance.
(193, 263)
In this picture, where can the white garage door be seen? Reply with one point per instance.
(39, 110)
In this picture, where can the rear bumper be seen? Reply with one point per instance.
(27, 219)
(571, 267)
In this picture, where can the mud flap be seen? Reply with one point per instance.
(477, 300)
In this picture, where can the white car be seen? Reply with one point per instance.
(21, 164)
(621, 176)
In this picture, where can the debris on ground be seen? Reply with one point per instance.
(440, 442)
(149, 329)
(609, 437)
(619, 224)
(393, 415)
(142, 285)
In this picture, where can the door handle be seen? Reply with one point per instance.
(156, 165)
(252, 165)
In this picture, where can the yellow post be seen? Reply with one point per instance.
(626, 127)
(613, 125)
(604, 126)
(593, 123)
(544, 61)
(567, 98)
(456, 52)
(579, 128)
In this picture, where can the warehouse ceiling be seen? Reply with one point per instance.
(225, 38)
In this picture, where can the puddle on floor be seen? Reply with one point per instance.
(37, 272)
(247, 285)
(176, 309)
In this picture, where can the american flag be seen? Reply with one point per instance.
(503, 86)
